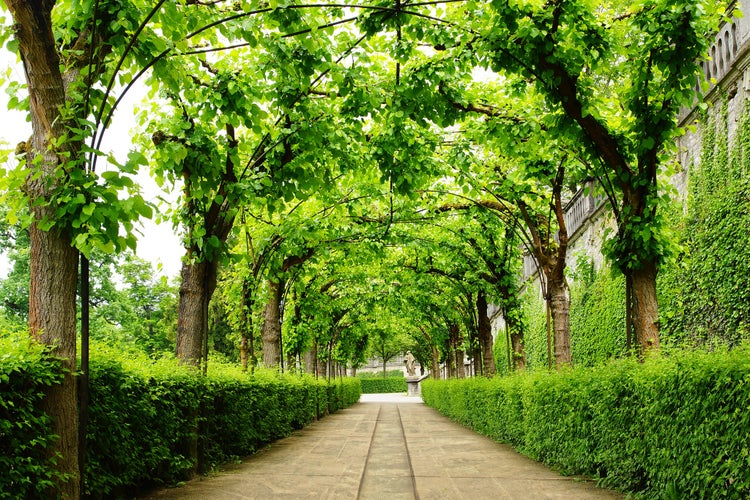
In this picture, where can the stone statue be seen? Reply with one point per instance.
(409, 361)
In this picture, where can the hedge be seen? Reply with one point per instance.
(148, 419)
(25, 431)
(383, 385)
(675, 426)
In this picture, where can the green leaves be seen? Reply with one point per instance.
(620, 422)
(26, 370)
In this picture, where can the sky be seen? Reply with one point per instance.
(158, 244)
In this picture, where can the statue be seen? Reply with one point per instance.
(409, 361)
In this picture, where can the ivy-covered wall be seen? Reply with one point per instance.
(705, 293)
(704, 290)
(597, 314)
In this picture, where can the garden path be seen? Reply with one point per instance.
(387, 447)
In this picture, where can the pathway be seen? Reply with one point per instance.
(387, 447)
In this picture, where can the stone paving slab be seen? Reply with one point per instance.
(386, 447)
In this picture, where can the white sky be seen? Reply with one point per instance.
(158, 244)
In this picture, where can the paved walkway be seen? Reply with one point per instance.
(387, 447)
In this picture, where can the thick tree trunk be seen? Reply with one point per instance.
(53, 262)
(52, 320)
(435, 368)
(458, 354)
(460, 368)
(450, 360)
(311, 357)
(484, 328)
(645, 308)
(271, 330)
(560, 309)
(291, 362)
(196, 289)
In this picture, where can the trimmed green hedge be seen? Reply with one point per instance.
(148, 418)
(25, 431)
(673, 427)
(383, 385)
(144, 417)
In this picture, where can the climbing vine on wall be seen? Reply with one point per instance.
(706, 292)
(597, 314)
(535, 332)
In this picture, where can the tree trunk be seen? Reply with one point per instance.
(52, 320)
(516, 336)
(484, 328)
(560, 309)
(450, 356)
(460, 368)
(246, 330)
(310, 359)
(519, 351)
(53, 261)
(243, 351)
(458, 354)
(645, 308)
(435, 368)
(196, 289)
(271, 330)
(291, 362)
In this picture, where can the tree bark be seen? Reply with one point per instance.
(560, 309)
(484, 328)
(645, 308)
(53, 261)
(635, 185)
(311, 356)
(458, 353)
(519, 351)
(52, 320)
(246, 331)
(435, 362)
(271, 330)
(197, 287)
(460, 368)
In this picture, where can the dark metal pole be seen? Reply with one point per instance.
(83, 375)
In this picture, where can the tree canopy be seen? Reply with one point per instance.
(351, 174)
